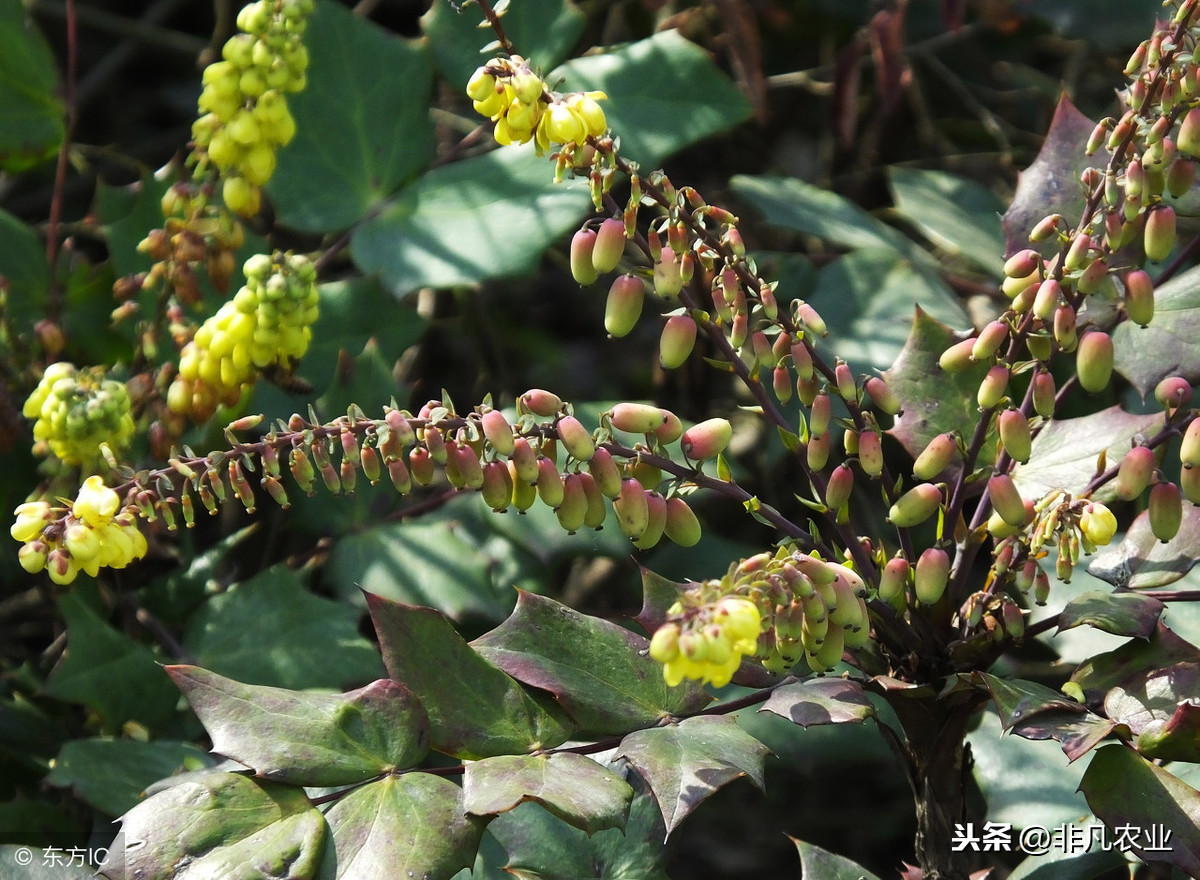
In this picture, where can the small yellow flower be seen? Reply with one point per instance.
(1097, 523)
(95, 504)
(31, 519)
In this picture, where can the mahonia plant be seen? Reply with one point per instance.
(915, 611)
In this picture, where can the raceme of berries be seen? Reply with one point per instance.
(244, 105)
(523, 109)
(267, 324)
(76, 411)
(94, 532)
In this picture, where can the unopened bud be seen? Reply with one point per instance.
(605, 472)
(636, 418)
(915, 506)
(893, 579)
(935, 457)
(1043, 229)
(844, 378)
(1014, 434)
(667, 279)
(932, 575)
(682, 526)
(1166, 511)
(808, 316)
(549, 483)
(1048, 298)
(1023, 263)
(1135, 472)
(882, 396)
(496, 487)
(781, 384)
(1006, 499)
(633, 513)
(1064, 328)
(609, 245)
(540, 402)
(582, 244)
(1043, 394)
(1094, 360)
(1160, 233)
(841, 484)
(957, 357)
(573, 508)
(993, 387)
(817, 451)
(990, 339)
(706, 440)
(421, 465)
(497, 431)
(1139, 297)
(677, 340)
(1078, 252)
(870, 453)
(576, 439)
(624, 305)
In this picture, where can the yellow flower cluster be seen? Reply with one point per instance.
(708, 647)
(268, 323)
(516, 99)
(245, 114)
(76, 411)
(94, 533)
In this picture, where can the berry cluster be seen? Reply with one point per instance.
(93, 533)
(523, 109)
(245, 114)
(267, 324)
(76, 411)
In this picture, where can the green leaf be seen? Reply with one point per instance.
(32, 116)
(573, 787)
(489, 216)
(113, 774)
(1176, 738)
(1077, 732)
(223, 825)
(1051, 184)
(546, 32)
(792, 204)
(1122, 614)
(541, 846)
(423, 651)
(934, 401)
(410, 825)
(956, 214)
(821, 701)
(1141, 561)
(658, 595)
(1017, 699)
(1167, 345)
(820, 864)
(270, 630)
(1065, 451)
(1102, 672)
(23, 266)
(305, 738)
(1123, 788)
(601, 673)
(690, 101)
(686, 763)
(107, 671)
(362, 128)
(868, 299)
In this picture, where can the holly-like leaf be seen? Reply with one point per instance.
(32, 114)
(821, 701)
(934, 402)
(1174, 739)
(573, 787)
(384, 135)
(406, 825)
(1017, 699)
(489, 216)
(1152, 696)
(1077, 733)
(112, 774)
(658, 595)
(601, 673)
(541, 846)
(109, 672)
(691, 99)
(686, 763)
(820, 864)
(1122, 614)
(269, 630)
(1065, 451)
(1099, 674)
(221, 825)
(1167, 345)
(306, 738)
(1141, 561)
(1051, 184)
(423, 651)
(958, 215)
(1124, 789)
(868, 299)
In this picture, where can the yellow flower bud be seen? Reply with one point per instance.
(95, 504)
(1097, 523)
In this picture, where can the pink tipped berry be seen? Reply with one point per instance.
(678, 339)
(541, 403)
(624, 305)
(1094, 360)
(915, 506)
(1160, 233)
(1166, 511)
(682, 526)
(581, 256)
(1135, 472)
(1043, 394)
(1139, 297)
(707, 439)
(630, 506)
(576, 439)
(636, 418)
(609, 245)
(993, 387)
(1006, 499)
(932, 575)
(1014, 434)
(935, 457)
